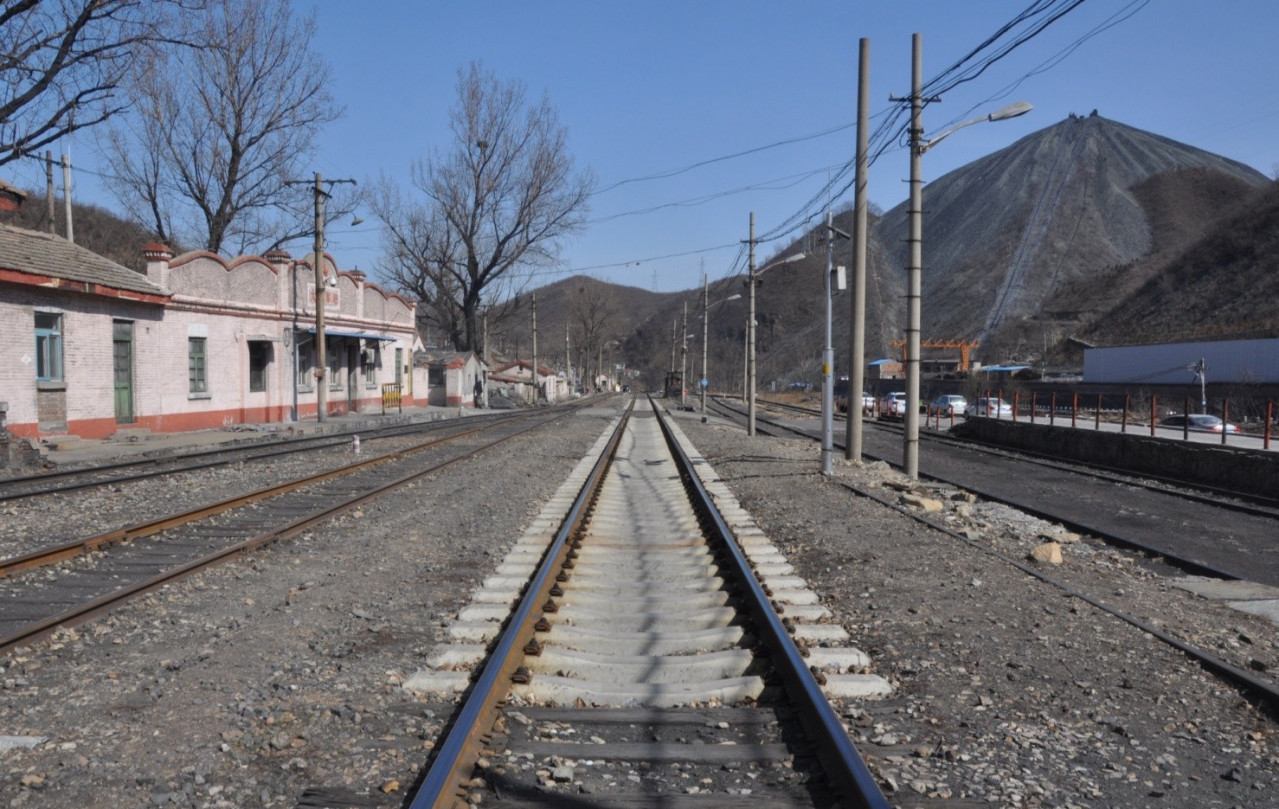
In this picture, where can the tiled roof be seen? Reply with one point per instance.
(39, 253)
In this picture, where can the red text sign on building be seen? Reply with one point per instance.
(332, 297)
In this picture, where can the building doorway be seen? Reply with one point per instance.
(122, 361)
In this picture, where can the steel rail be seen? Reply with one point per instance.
(1264, 691)
(254, 451)
(84, 612)
(1255, 688)
(443, 785)
(847, 772)
(1253, 503)
(1181, 561)
(58, 553)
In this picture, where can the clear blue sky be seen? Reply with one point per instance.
(654, 86)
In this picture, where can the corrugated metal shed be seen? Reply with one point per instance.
(1255, 361)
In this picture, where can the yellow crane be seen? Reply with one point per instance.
(965, 349)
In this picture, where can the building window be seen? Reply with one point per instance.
(371, 357)
(305, 364)
(334, 361)
(259, 359)
(48, 347)
(197, 364)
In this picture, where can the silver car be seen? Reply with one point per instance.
(949, 404)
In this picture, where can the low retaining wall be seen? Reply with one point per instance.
(1243, 470)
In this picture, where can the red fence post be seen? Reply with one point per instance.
(1016, 403)
(1225, 420)
(1270, 417)
(1074, 409)
(1097, 421)
(1154, 411)
(1185, 426)
(1052, 409)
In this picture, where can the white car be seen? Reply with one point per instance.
(893, 404)
(993, 407)
(949, 404)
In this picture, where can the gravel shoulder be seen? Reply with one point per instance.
(276, 676)
(1009, 691)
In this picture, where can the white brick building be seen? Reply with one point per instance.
(88, 346)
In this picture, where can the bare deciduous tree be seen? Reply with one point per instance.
(62, 61)
(220, 129)
(497, 205)
(594, 306)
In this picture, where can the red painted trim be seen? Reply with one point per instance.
(187, 258)
(102, 428)
(66, 285)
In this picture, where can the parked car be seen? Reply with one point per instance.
(1199, 423)
(841, 397)
(993, 407)
(949, 404)
(893, 404)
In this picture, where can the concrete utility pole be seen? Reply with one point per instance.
(66, 195)
(857, 332)
(914, 267)
(683, 356)
(704, 381)
(537, 386)
(750, 334)
(674, 331)
(828, 355)
(48, 189)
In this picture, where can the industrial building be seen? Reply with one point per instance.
(1223, 361)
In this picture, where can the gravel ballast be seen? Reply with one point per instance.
(279, 676)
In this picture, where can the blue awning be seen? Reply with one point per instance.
(361, 335)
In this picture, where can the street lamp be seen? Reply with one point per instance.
(750, 326)
(914, 268)
(828, 351)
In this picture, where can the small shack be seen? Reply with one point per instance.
(450, 377)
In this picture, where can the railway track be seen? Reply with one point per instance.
(1228, 540)
(1212, 533)
(138, 469)
(96, 573)
(654, 656)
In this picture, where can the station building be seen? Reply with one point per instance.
(89, 347)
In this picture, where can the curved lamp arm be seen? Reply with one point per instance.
(1011, 111)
